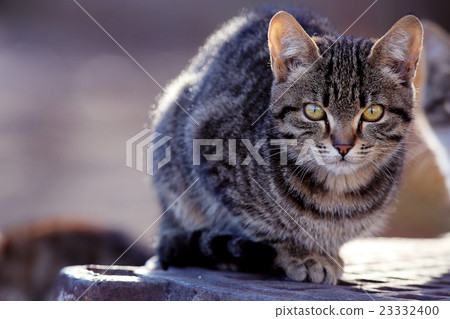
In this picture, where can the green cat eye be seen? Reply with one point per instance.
(373, 113)
(314, 112)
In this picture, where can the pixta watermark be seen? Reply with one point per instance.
(141, 147)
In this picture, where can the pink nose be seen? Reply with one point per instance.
(343, 149)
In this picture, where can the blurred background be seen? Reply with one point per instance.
(70, 98)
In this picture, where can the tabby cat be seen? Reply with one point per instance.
(271, 76)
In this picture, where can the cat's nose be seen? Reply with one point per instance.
(343, 149)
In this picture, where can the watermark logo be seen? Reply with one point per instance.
(306, 152)
(141, 147)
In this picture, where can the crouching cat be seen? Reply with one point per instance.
(261, 89)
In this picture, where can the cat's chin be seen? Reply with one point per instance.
(343, 167)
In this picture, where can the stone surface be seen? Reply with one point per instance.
(376, 269)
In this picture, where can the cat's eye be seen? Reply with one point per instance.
(372, 113)
(314, 112)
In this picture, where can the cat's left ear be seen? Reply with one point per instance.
(399, 49)
(290, 46)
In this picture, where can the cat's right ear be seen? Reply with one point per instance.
(290, 46)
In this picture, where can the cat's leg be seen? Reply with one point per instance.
(234, 252)
(177, 247)
(301, 264)
(212, 249)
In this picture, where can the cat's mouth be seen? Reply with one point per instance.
(343, 165)
(345, 162)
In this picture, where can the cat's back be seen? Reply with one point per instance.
(243, 39)
(224, 89)
(232, 68)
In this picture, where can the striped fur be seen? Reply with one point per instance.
(304, 212)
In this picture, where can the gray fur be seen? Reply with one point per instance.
(227, 86)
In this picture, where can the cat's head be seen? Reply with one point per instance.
(352, 96)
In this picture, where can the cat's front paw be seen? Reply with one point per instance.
(312, 268)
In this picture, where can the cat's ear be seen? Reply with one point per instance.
(399, 49)
(290, 46)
